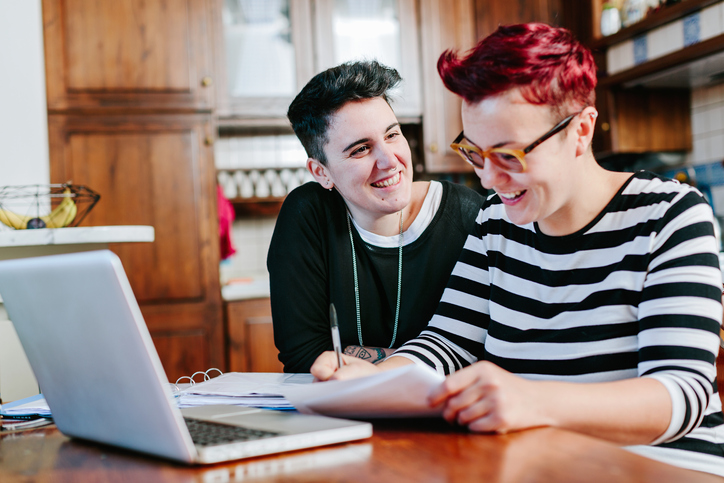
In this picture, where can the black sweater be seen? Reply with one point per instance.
(310, 265)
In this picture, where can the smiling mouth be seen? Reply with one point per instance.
(513, 195)
(387, 182)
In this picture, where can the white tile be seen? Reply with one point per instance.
(716, 117)
(699, 153)
(699, 119)
(716, 147)
(717, 194)
(664, 40)
(674, 33)
(711, 21)
(658, 44)
(620, 56)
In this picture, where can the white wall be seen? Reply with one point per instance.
(24, 155)
(23, 111)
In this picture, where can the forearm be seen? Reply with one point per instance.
(632, 411)
(370, 354)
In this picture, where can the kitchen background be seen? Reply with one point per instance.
(154, 103)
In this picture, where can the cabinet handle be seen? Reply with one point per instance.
(605, 127)
(433, 148)
(207, 81)
(208, 140)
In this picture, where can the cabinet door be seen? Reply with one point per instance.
(502, 12)
(128, 54)
(641, 120)
(251, 337)
(155, 170)
(444, 25)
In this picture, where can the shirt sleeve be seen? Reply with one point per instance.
(680, 312)
(298, 281)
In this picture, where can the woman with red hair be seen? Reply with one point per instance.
(584, 299)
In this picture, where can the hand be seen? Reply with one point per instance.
(487, 398)
(325, 367)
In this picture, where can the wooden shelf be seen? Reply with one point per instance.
(680, 57)
(246, 207)
(656, 19)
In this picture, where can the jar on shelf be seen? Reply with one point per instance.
(633, 11)
(610, 19)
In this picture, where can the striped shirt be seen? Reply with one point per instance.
(635, 293)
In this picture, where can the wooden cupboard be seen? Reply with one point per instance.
(130, 103)
(251, 336)
(128, 54)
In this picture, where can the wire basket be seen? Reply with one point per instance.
(45, 205)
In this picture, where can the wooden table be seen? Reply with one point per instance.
(407, 451)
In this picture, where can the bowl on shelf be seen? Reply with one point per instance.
(45, 205)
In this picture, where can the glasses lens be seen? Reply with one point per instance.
(473, 157)
(507, 161)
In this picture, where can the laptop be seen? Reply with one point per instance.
(86, 340)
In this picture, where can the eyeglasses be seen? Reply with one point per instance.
(512, 160)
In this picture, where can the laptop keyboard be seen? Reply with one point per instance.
(205, 433)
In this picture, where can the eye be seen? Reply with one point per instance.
(360, 151)
(393, 134)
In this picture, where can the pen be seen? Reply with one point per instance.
(335, 335)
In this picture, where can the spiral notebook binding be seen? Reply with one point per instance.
(192, 380)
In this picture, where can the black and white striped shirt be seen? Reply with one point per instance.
(635, 293)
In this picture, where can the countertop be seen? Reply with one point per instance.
(253, 287)
(77, 235)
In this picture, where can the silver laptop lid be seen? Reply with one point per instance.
(92, 354)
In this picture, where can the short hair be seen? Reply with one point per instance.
(310, 113)
(547, 64)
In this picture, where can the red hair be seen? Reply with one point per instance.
(546, 63)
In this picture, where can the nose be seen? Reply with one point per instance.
(491, 175)
(386, 158)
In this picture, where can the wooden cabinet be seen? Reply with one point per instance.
(130, 99)
(443, 25)
(251, 336)
(489, 15)
(639, 120)
(128, 54)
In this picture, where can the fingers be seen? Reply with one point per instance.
(455, 383)
(325, 366)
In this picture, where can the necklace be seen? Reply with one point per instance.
(356, 284)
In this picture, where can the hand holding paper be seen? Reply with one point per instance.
(395, 393)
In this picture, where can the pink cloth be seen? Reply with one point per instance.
(226, 218)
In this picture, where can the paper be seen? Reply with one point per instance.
(250, 389)
(397, 393)
(26, 407)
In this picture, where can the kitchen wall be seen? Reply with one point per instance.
(703, 167)
(24, 141)
(23, 123)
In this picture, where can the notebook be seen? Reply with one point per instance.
(95, 362)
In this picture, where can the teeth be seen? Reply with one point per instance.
(510, 196)
(387, 182)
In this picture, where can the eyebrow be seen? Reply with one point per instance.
(364, 140)
(501, 144)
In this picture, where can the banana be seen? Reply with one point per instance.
(62, 215)
(14, 220)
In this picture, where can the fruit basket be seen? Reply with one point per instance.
(45, 206)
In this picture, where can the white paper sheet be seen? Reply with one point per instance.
(249, 389)
(397, 393)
